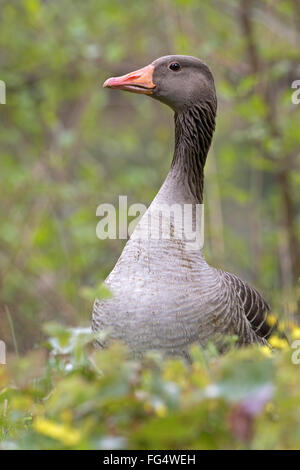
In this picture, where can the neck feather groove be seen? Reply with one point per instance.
(194, 129)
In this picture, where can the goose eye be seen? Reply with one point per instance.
(174, 66)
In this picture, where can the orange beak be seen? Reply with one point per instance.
(139, 81)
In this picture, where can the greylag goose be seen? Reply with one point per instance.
(164, 294)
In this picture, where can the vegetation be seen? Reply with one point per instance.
(68, 146)
(248, 398)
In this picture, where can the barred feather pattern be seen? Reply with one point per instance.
(194, 130)
(164, 295)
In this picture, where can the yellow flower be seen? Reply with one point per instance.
(60, 432)
(266, 351)
(277, 342)
(282, 326)
(271, 320)
(296, 332)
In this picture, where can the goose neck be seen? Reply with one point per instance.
(194, 129)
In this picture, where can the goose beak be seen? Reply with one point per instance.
(139, 81)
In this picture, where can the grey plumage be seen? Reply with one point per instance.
(165, 295)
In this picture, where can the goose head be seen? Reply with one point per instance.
(179, 81)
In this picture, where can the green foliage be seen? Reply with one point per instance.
(79, 398)
(67, 146)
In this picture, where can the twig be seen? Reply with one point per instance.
(12, 329)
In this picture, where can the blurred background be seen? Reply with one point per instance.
(67, 145)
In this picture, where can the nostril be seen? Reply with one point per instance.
(132, 77)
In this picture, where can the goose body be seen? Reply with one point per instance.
(164, 294)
